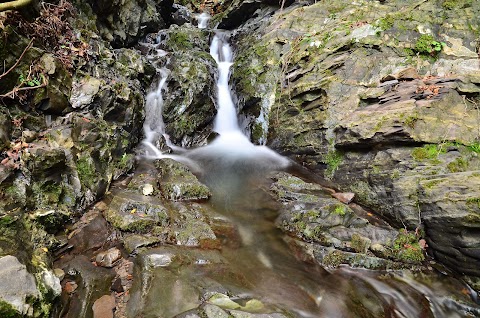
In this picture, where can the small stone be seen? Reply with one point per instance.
(103, 307)
(223, 301)
(147, 189)
(117, 285)
(345, 197)
(59, 273)
(109, 257)
(70, 287)
(408, 74)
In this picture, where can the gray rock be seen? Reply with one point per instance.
(135, 241)
(18, 286)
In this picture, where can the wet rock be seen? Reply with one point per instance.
(134, 241)
(344, 197)
(177, 183)
(92, 283)
(103, 307)
(54, 99)
(6, 124)
(89, 234)
(123, 23)
(162, 299)
(70, 287)
(188, 109)
(368, 125)
(192, 227)
(59, 273)
(18, 289)
(108, 258)
(129, 212)
(313, 216)
(84, 91)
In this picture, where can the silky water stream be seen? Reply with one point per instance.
(260, 265)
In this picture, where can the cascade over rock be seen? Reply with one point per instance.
(381, 98)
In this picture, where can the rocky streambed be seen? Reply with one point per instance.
(375, 104)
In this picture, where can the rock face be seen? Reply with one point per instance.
(382, 99)
(19, 294)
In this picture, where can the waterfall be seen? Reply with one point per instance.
(231, 150)
(202, 20)
(226, 119)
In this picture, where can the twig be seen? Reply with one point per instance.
(13, 5)
(17, 89)
(18, 61)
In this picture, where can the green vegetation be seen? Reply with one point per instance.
(406, 247)
(427, 152)
(456, 4)
(8, 311)
(473, 201)
(411, 120)
(475, 147)
(427, 45)
(386, 22)
(332, 159)
(340, 210)
(179, 40)
(458, 165)
(86, 172)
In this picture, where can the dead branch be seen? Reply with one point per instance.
(14, 5)
(19, 88)
(18, 60)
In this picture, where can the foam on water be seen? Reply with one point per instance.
(231, 149)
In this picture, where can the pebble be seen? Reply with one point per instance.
(108, 258)
(346, 197)
(59, 273)
(70, 287)
(103, 307)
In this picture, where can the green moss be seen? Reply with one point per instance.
(257, 131)
(386, 22)
(332, 159)
(473, 201)
(359, 243)
(456, 4)
(179, 40)
(340, 210)
(334, 259)
(475, 147)
(86, 171)
(406, 247)
(427, 152)
(395, 174)
(411, 120)
(458, 165)
(433, 183)
(8, 311)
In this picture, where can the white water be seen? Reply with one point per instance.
(231, 150)
(202, 20)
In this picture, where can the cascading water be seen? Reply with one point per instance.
(231, 149)
(228, 165)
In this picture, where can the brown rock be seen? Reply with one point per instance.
(103, 307)
(70, 287)
(346, 197)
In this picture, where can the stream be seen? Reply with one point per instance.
(253, 269)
